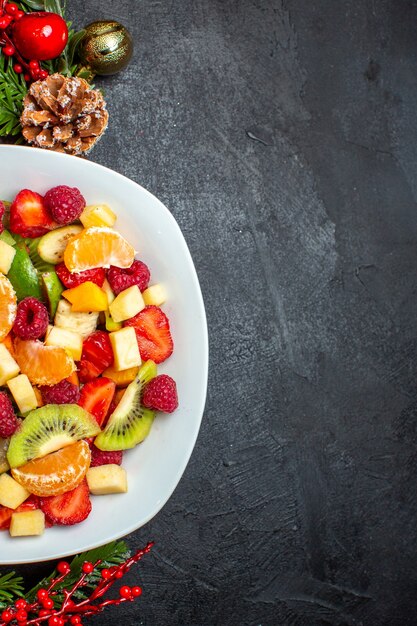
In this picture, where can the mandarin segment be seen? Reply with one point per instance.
(98, 247)
(55, 473)
(8, 306)
(43, 365)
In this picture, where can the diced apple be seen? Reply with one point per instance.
(125, 349)
(8, 366)
(11, 493)
(106, 479)
(27, 523)
(71, 342)
(111, 325)
(127, 304)
(23, 393)
(155, 294)
(6, 256)
(97, 215)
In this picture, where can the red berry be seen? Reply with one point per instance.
(87, 567)
(105, 574)
(48, 603)
(160, 394)
(42, 594)
(65, 203)
(43, 74)
(8, 50)
(11, 8)
(101, 457)
(75, 620)
(136, 591)
(70, 280)
(97, 350)
(40, 35)
(18, 68)
(18, 15)
(8, 419)
(7, 616)
(152, 333)
(125, 592)
(44, 613)
(63, 392)
(5, 21)
(34, 65)
(32, 319)
(63, 567)
(55, 620)
(21, 615)
(21, 603)
(26, 77)
(121, 279)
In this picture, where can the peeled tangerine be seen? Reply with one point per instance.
(98, 246)
(8, 306)
(43, 365)
(86, 297)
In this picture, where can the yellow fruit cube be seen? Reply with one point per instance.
(86, 297)
(69, 340)
(127, 304)
(111, 325)
(6, 256)
(155, 294)
(8, 366)
(106, 479)
(27, 523)
(23, 393)
(122, 378)
(97, 215)
(125, 349)
(11, 493)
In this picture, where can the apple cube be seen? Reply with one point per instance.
(8, 366)
(111, 325)
(69, 340)
(105, 479)
(125, 349)
(27, 523)
(127, 304)
(97, 215)
(23, 393)
(155, 294)
(6, 256)
(11, 493)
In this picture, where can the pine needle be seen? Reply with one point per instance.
(11, 586)
(12, 91)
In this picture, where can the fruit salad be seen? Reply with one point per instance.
(82, 332)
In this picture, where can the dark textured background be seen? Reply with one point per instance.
(283, 138)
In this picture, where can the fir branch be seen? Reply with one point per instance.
(11, 586)
(32, 5)
(12, 91)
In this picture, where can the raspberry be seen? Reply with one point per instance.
(61, 393)
(2, 212)
(8, 419)
(121, 279)
(70, 280)
(65, 203)
(32, 319)
(160, 394)
(99, 457)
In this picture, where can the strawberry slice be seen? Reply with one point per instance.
(30, 504)
(152, 333)
(5, 517)
(96, 397)
(87, 371)
(69, 508)
(98, 351)
(29, 216)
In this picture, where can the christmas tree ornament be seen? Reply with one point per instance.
(40, 36)
(106, 47)
(63, 114)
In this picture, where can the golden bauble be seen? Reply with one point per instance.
(106, 48)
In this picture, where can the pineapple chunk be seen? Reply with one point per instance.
(6, 256)
(11, 493)
(27, 523)
(125, 349)
(8, 366)
(155, 294)
(23, 393)
(86, 297)
(106, 479)
(111, 325)
(97, 215)
(127, 304)
(67, 339)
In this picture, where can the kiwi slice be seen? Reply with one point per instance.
(4, 444)
(52, 289)
(130, 422)
(48, 429)
(7, 238)
(23, 275)
(31, 246)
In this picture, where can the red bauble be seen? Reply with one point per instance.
(41, 36)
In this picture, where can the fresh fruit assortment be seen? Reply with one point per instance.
(81, 334)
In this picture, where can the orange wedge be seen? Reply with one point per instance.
(8, 306)
(43, 365)
(98, 246)
(55, 473)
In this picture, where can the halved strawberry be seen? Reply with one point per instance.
(69, 508)
(96, 397)
(98, 351)
(152, 333)
(29, 216)
(5, 517)
(73, 279)
(87, 371)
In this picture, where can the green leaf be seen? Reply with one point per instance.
(34, 5)
(11, 586)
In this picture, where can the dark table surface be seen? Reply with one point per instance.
(282, 135)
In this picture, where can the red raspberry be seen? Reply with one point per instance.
(32, 319)
(63, 392)
(70, 280)
(65, 203)
(8, 419)
(100, 457)
(121, 279)
(160, 394)
(2, 212)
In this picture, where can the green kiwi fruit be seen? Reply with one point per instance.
(48, 429)
(52, 289)
(130, 422)
(7, 238)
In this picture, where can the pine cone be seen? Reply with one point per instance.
(63, 114)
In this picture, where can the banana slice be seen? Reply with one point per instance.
(52, 246)
(82, 323)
